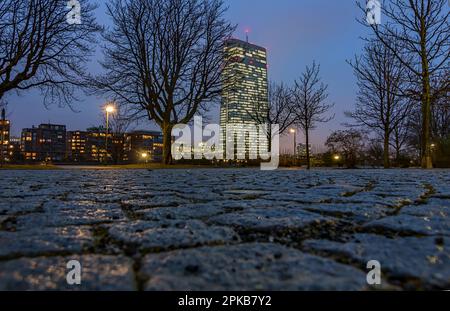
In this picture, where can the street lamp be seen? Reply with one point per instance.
(144, 156)
(293, 131)
(109, 109)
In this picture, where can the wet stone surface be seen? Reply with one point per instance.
(215, 229)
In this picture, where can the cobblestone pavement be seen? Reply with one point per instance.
(224, 229)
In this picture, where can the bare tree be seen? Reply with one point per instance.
(349, 143)
(375, 152)
(440, 108)
(39, 48)
(440, 117)
(380, 105)
(310, 94)
(400, 137)
(164, 59)
(423, 29)
(280, 111)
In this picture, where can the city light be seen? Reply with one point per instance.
(293, 131)
(337, 157)
(110, 109)
(144, 155)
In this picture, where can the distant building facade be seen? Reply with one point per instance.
(51, 142)
(76, 146)
(47, 142)
(91, 145)
(143, 146)
(245, 96)
(14, 150)
(301, 150)
(135, 147)
(5, 130)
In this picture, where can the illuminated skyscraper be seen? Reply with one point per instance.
(245, 96)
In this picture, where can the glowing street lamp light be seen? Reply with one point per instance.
(293, 131)
(109, 109)
(144, 156)
(337, 157)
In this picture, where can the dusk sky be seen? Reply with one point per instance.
(295, 32)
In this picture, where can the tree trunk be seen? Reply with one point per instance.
(426, 110)
(426, 104)
(167, 144)
(308, 160)
(386, 162)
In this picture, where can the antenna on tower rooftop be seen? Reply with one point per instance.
(247, 31)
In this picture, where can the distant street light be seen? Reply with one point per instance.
(144, 156)
(109, 109)
(337, 157)
(293, 131)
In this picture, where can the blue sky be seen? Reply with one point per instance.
(295, 32)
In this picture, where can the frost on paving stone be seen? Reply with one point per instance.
(185, 212)
(426, 259)
(64, 214)
(49, 273)
(44, 241)
(247, 267)
(427, 210)
(355, 211)
(271, 218)
(44, 214)
(15, 206)
(408, 224)
(169, 235)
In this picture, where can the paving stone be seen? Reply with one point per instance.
(427, 210)
(247, 267)
(46, 214)
(44, 241)
(271, 218)
(359, 212)
(18, 206)
(408, 224)
(98, 272)
(170, 235)
(426, 259)
(63, 214)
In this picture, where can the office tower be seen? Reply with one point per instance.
(244, 98)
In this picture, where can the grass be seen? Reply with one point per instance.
(32, 167)
(150, 166)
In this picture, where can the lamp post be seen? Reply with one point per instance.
(337, 159)
(144, 156)
(109, 109)
(293, 131)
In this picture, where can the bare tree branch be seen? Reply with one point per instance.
(422, 27)
(380, 107)
(164, 59)
(310, 95)
(40, 49)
